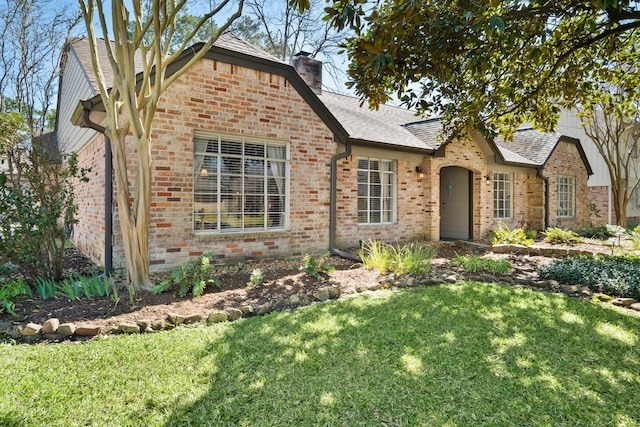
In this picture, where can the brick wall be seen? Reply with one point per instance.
(599, 196)
(565, 160)
(221, 98)
(88, 234)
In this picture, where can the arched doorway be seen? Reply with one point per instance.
(456, 203)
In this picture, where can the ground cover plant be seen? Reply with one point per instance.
(477, 263)
(613, 275)
(460, 354)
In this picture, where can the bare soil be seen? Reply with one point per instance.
(282, 279)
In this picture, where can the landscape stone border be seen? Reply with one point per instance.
(53, 330)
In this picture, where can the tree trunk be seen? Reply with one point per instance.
(620, 208)
(134, 221)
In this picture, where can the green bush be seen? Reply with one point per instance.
(412, 258)
(11, 292)
(614, 275)
(193, 278)
(592, 232)
(477, 263)
(37, 201)
(316, 267)
(518, 236)
(558, 235)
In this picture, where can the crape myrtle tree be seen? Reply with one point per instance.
(612, 121)
(132, 101)
(485, 64)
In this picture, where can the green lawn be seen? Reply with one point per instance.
(465, 354)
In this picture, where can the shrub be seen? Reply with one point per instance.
(37, 201)
(634, 238)
(477, 263)
(614, 275)
(10, 292)
(192, 277)
(601, 232)
(518, 236)
(315, 268)
(558, 235)
(413, 258)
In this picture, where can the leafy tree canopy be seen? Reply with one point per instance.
(490, 64)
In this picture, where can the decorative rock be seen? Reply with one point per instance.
(451, 278)
(280, 304)
(247, 310)
(585, 292)
(602, 297)
(411, 282)
(264, 309)
(624, 302)
(50, 326)
(570, 289)
(193, 318)
(233, 314)
(553, 283)
(5, 327)
(294, 300)
(87, 330)
(16, 331)
(67, 329)
(374, 287)
(360, 288)
(635, 306)
(335, 292)
(159, 325)
(175, 318)
(145, 326)
(217, 317)
(321, 295)
(129, 328)
(31, 329)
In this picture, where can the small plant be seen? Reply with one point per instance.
(10, 292)
(477, 263)
(45, 288)
(558, 235)
(69, 289)
(517, 236)
(407, 259)
(192, 277)
(257, 277)
(316, 267)
(634, 238)
(376, 254)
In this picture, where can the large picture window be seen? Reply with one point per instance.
(566, 196)
(239, 184)
(502, 190)
(376, 191)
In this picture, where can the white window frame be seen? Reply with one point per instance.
(566, 196)
(374, 209)
(263, 216)
(502, 195)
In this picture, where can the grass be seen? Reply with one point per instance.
(456, 355)
(477, 263)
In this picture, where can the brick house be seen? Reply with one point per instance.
(253, 159)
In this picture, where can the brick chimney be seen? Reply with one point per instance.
(309, 69)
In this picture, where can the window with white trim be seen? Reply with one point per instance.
(376, 191)
(566, 196)
(502, 191)
(239, 184)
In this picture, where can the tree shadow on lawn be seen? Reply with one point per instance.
(464, 354)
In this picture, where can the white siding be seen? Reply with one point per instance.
(570, 125)
(73, 87)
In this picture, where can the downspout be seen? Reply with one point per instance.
(333, 214)
(108, 190)
(546, 197)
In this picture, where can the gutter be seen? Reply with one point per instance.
(108, 187)
(546, 197)
(333, 204)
